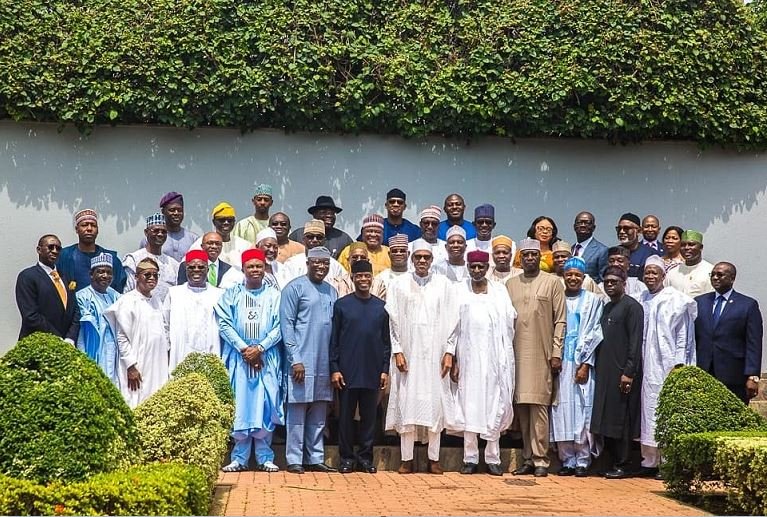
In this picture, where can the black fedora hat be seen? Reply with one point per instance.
(324, 202)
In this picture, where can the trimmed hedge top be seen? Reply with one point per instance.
(625, 71)
(210, 367)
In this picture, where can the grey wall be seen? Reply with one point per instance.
(46, 175)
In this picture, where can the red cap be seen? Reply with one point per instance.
(477, 256)
(196, 255)
(251, 254)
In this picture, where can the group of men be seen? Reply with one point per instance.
(436, 325)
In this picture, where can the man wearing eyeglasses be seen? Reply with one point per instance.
(286, 248)
(45, 300)
(429, 224)
(313, 235)
(224, 218)
(156, 234)
(628, 232)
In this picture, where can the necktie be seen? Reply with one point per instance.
(718, 308)
(59, 287)
(577, 250)
(212, 273)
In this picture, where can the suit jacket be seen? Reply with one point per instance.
(734, 345)
(595, 256)
(40, 306)
(223, 267)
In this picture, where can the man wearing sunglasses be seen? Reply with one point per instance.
(429, 223)
(45, 301)
(232, 247)
(628, 233)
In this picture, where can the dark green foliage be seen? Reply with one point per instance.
(211, 367)
(742, 465)
(60, 417)
(158, 489)
(625, 71)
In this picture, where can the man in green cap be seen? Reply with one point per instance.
(249, 227)
(693, 277)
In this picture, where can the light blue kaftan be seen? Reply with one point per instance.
(97, 337)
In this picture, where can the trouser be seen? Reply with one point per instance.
(534, 424)
(573, 454)
(471, 450)
(407, 444)
(368, 405)
(243, 446)
(305, 423)
(650, 456)
(620, 448)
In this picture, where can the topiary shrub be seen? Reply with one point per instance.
(185, 421)
(60, 416)
(742, 464)
(211, 367)
(158, 489)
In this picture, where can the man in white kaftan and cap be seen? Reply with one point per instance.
(421, 312)
(571, 415)
(429, 223)
(482, 342)
(266, 241)
(454, 266)
(188, 312)
(156, 234)
(141, 338)
(669, 342)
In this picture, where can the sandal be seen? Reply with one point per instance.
(268, 466)
(234, 467)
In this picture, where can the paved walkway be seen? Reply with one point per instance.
(389, 493)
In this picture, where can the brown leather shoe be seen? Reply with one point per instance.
(435, 468)
(406, 467)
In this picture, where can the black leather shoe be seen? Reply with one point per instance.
(581, 472)
(566, 471)
(541, 472)
(319, 467)
(659, 476)
(469, 468)
(617, 474)
(346, 467)
(295, 468)
(366, 466)
(494, 469)
(524, 470)
(647, 472)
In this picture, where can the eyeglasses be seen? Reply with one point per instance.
(279, 223)
(54, 247)
(544, 229)
(149, 275)
(196, 268)
(158, 231)
(314, 237)
(483, 222)
(626, 229)
(214, 243)
(224, 220)
(583, 222)
(424, 222)
(424, 258)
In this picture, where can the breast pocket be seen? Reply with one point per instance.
(542, 304)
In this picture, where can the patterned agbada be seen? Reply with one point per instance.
(379, 258)
(190, 321)
(97, 337)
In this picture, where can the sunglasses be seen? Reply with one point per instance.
(150, 275)
(626, 229)
(54, 247)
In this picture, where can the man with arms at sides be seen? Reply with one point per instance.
(306, 322)
(429, 224)
(571, 416)
(482, 343)
(220, 274)
(156, 234)
(421, 310)
(249, 323)
(188, 312)
(618, 391)
(179, 239)
(74, 262)
(728, 334)
(669, 342)
(561, 254)
(454, 267)
(360, 352)
(628, 237)
(224, 216)
(619, 256)
(45, 298)
(141, 338)
(503, 253)
(395, 222)
(454, 210)
(398, 255)
(97, 337)
(650, 232)
(280, 223)
(249, 227)
(325, 210)
(484, 223)
(587, 247)
(372, 235)
(540, 302)
(693, 277)
(295, 267)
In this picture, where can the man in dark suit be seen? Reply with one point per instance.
(593, 252)
(728, 334)
(212, 244)
(44, 298)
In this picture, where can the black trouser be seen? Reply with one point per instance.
(368, 403)
(620, 448)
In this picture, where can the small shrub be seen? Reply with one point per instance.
(211, 367)
(158, 489)
(185, 421)
(742, 464)
(60, 416)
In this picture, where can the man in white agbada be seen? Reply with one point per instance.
(482, 343)
(669, 342)
(266, 241)
(398, 255)
(454, 266)
(429, 224)
(156, 234)
(420, 307)
(571, 415)
(188, 312)
(141, 338)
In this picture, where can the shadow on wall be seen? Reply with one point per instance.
(122, 172)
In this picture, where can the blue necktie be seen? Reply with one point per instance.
(718, 308)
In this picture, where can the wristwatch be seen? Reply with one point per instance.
(754, 378)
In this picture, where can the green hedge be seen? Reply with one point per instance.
(60, 417)
(625, 71)
(160, 489)
(742, 464)
(210, 366)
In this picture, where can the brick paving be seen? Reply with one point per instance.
(389, 493)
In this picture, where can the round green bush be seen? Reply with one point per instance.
(185, 421)
(60, 416)
(211, 367)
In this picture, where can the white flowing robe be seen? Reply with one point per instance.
(141, 340)
(483, 342)
(421, 312)
(190, 321)
(669, 340)
(453, 273)
(571, 416)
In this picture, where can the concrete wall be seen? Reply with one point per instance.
(46, 175)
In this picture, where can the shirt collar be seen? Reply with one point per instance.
(584, 243)
(48, 270)
(726, 295)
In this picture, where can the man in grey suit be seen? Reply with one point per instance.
(593, 252)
